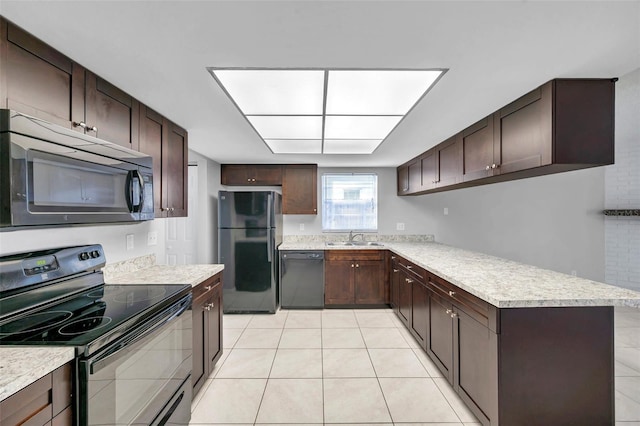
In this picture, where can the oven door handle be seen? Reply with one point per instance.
(124, 347)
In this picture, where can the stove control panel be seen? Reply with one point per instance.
(86, 255)
(39, 265)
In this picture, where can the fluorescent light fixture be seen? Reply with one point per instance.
(287, 127)
(295, 146)
(274, 92)
(373, 92)
(350, 146)
(322, 110)
(359, 127)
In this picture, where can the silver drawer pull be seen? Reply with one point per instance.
(449, 311)
(454, 315)
(452, 293)
(395, 270)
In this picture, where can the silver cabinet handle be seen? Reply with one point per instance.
(395, 270)
(409, 266)
(80, 124)
(488, 168)
(208, 287)
(495, 166)
(449, 311)
(409, 281)
(454, 315)
(352, 265)
(452, 293)
(357, 266)
(209, 306)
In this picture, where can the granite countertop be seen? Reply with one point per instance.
(500, 282)
(22, 365)
(162, 274)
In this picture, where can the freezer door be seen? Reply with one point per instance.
(245, 209)
(248, 258)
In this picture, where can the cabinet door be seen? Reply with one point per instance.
(369, 282)
(419, 311)
(403, 179)
(152, 135)
(395, 284)
(415, 176)
(38, 80)
(267, 174)
(174, 171)
(428, 169)
(234, 174)
(439, 342)
(112, 112)
(200, 364)
(523, 132)
(214, 325)
(339, 286)
(404, 298)
(477, 150)
(449, 161)
(476, 365)
(299, 189)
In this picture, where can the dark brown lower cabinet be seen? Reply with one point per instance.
(394, 282)
(515, 366)
(355, 277)
(47, 401)
(207, 329)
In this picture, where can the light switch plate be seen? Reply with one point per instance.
(399, 226)
(446, 211)
(302, 226)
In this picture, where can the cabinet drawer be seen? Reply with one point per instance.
(354, 254)
(29, 406)
(478, 309)
(413, 270)
(206, 287)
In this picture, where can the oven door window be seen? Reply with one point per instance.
(59, 184)
(133, 383)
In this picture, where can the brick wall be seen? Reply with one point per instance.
(622, 188)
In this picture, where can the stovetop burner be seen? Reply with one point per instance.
(81, 326)
(150, 293)
(35, 322)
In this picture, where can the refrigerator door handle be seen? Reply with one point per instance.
(269, 230)
(269, 208)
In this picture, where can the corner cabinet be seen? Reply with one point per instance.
(355, 277)
(47, 401)
(563, 125)
(207, 329)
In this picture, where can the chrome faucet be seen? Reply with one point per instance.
(352, 236)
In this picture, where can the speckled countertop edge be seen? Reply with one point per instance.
(500, 282)
(22, 365)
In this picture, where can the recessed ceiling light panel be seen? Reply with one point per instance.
(287, 127)
(373, 92)
(275, 92)
(359, 127)
(353, 146)
(295, 146)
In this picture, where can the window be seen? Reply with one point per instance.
(349, 202)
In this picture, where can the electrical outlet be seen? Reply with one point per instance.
(129, 242)
(152, 238)
(446, 211)
(302, 226)
(399, 226)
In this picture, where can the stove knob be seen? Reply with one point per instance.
(84, 255)
(95, 254)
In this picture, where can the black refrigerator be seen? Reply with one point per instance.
(249, 232)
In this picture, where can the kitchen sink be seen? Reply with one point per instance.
(354, 243)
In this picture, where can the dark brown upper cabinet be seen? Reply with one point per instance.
(410, 177)
(299, 189)
(478, 150)
(428, 169)
(563, 125)
(251, 174)
(174, 171)
(110, 113)
(38, 80)
(151, 142)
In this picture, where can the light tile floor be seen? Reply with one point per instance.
(355, 367)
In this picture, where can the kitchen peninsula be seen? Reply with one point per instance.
(515, 341)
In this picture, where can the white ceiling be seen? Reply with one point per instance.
(158, 51)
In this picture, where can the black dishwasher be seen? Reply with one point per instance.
(302, 279)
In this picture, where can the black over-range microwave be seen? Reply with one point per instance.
(51, 175)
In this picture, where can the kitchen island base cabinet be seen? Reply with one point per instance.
(207, 329)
